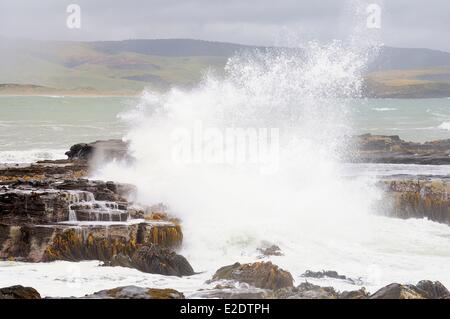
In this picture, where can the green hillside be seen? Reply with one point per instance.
(127, 67)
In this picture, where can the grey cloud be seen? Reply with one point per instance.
(406, 23)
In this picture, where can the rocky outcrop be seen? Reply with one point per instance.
(134, 292)
(423, 290)
(37, 243)
(19, 292)
(433, 289)
(329, 274)
(391, 149)
(260, 274)
(101, 150)
(354, 294)
(43, 172)
(272, 250)
(306, 291)
(398, 291)
(156, 260)
(426, 198)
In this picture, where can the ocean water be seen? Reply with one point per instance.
(306, 202)
(35, 128)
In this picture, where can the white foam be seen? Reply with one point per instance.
(31, 156)
(444, 126)
(384, 109)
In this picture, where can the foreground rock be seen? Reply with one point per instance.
(425, 289)
(156, 260)
(43, 172)
(134, 292)
(99, 150)
(392, 149)
(77, 220)
(419, 198)
(329, 274)
(306, 291)
(19, 292)
(260, 274)
(270, 250)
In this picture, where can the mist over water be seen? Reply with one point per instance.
(320, 219)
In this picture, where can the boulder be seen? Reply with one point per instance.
(354, 294)
(417, 198)
(37, 243)
(19, 292)
(272, 250)
(398, 291)
(43, 172)
(158, 260)
(234, 293)
(102, 150)
(323, 274)
(306, 290)
(392, 149)
(260, 274)
(134, 292)
(433, 290)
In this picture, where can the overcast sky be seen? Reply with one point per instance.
(405, 23)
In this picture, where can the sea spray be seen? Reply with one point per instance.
(229, 207)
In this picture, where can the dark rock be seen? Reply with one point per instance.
(234, 293)
(323, 274)
(433, 290)
(64, 242)
(392, 149)
(260, 274)
(306, 291)
(272, 250)
(34, 207)
(158, 260)
(354, 294)
(398, 291)
(417, 199)
(101, 150)
(42, 173)
(134, 292)
(19, 292)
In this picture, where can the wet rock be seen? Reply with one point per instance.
(260, 274)
(43, 172)
(120, 260)
(157, 260)
(329, 274)
(19, 292)
(90, 200)
(392, 149)
(354, 294)
(306, 291)
(323, 274)
(417, 199)
(134, 292)
(433, 290)
(398, 291)
(38, 243)
(272, 250)
(34, 207)
(234, 293)
(101, 150)
(105, 191)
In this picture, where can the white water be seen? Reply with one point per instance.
(319, 219)
(402, 251)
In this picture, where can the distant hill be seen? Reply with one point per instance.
(126, 67)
